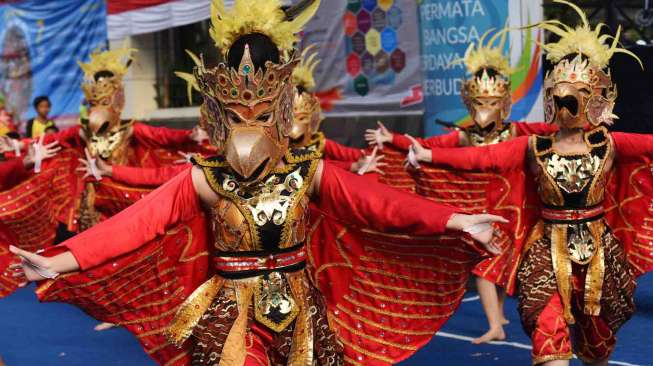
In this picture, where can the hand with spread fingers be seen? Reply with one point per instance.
(378, 136)
(199, 135)
(96, 167)
(479, 227)
(369, 164)
(421, 153)
(39, 152)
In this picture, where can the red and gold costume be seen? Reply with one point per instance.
(279, 270)
(33, 208)
(486, 94)
(586, 242)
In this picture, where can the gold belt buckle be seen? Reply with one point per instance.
(274, 305)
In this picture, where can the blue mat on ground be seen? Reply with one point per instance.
(57, 334)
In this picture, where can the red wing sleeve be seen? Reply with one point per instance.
(68, 138)
(452, 139)
(336, 151)
(502, 157)
(535, 128)
(169, 204)
(633, 147)
(363, 203)
(12, 172)
(136, 176)
(157, 137)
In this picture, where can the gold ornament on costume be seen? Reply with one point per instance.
(307, 109)
(591, 53)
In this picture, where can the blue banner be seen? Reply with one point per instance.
(447, 28)
(40, 44)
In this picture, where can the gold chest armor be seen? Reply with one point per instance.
(579, 177)
(264, 218)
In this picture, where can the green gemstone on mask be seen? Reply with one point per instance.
(247, 69)
(261, 92)
(234, 92)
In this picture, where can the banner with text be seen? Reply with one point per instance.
(40, 44)
(447, 27)
(369, 51)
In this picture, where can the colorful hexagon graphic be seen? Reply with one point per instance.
(354, 5)
(389, 39)
(358, 43)
(385, 4)
(369, 5)
(378, 19)
(398, 60)
(364, 21)
(381, 62)
(373, 41)
(368, 64)
(394, 17)
(387, 78)
(349, 21)
(353, 65)
(361, 85)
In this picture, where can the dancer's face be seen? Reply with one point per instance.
(104, 132)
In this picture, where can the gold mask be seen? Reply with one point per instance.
(577, 93)
(488, 100)
(248, 113)
(307, 118)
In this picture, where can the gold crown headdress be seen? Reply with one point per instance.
(307, 110)
(593, 52)
(105, 90)
(484, 56)
(303, 74)
(247, 86)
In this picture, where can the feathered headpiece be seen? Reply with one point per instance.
(115, 61)
(582, 40)
(303, 73)
(487, 56)
(256, 16)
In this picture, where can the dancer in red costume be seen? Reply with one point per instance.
(225, 260)
(303, 134)
(586, 245)
(486, 94)
(106, 136)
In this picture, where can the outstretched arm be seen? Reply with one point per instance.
(533, 128)
(451, 139)
(158, 137)
(502, 157)
(173, 202)
(338, 152)
(369, 204)
(633, 146)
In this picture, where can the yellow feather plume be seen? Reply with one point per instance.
(256, 16)
(116, 61)
(487, 55)
(583, 40)
(303, 74)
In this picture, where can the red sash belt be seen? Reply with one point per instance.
(572, 215)
(233, 263)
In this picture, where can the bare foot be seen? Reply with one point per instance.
(504, 321)
(494, 334)
(104, 326)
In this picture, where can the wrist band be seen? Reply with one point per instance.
(16, 145)
(377, 136)
(51, 275)
(412, 158)
(478, 228)
(38, 156)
